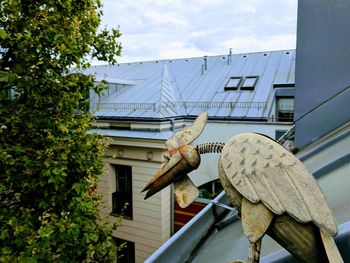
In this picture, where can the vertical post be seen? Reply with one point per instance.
(229, 57)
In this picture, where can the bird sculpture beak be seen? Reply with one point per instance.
(183, 161)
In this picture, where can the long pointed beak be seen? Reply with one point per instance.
(181, 162)
(174, 160)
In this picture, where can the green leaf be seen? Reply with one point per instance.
(7, 77)
(3, 34)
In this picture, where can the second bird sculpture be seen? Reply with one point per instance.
(268, 185)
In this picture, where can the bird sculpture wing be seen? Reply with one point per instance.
(262, 170)
(185, 192)
(187, 134)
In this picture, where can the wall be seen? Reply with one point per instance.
(150, 226)
(322, 69)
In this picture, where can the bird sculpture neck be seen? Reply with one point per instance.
(210, 147)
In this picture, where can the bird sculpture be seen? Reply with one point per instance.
(271, 189)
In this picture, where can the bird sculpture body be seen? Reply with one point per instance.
(272, 190)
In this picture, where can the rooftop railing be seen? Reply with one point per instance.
(221, 104)
(126, 106)
(185, 104)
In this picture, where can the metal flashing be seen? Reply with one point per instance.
(284, 92)
(152, 135)
(332, 166)
(325, 146)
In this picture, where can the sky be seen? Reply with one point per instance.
(168, 29)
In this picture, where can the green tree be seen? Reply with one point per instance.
(49, 163)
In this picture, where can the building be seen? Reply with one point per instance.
(321, 141)
(147, 101)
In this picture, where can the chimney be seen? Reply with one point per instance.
(205, 62)
(229, 57)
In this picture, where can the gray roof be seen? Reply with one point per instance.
(183, 87)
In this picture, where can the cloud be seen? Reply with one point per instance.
(266, 43)
(165, 18)
(179, 49)
(162, 29)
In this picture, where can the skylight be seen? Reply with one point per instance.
(233, 83)
(249, 83)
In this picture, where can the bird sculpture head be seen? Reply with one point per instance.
(180, 159)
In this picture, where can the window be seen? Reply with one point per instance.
(279, 134)
(249, 83)
(233, 83)
(285, 109)
(122, 197)
(210, 190)
(127, 252)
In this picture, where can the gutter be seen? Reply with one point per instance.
(180, 246)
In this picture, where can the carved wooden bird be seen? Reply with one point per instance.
(269, 186)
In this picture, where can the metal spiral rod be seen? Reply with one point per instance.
(210, 147)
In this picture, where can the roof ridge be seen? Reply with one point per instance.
(234, 54)
(163, 60)
(167, 105)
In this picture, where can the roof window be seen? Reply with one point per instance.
(249, 83)
(233, 83)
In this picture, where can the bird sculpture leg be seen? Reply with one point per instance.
(256, 219)
(331, 248)
(254, 251)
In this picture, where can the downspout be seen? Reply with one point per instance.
(172, 210)
(172, 199)
(172, 121)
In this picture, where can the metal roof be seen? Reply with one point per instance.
(178, 87)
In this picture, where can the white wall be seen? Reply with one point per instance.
(150, 226)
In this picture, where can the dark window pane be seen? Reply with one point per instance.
(122, 197)
(127, 252)
(286, 105)
(285, 109)
(123, 178)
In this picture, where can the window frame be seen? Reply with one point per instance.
(122, 194)
(283, 90)
(278, 111)
(228, 88)
(250, 87)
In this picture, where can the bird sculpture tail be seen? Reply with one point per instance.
(330, 248)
